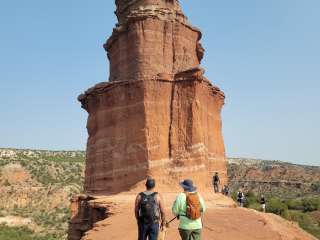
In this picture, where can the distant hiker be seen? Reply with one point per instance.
(149, 211)
(216, 182)
(226, 190)
(188, 207)
(263, 203)
(240, 198)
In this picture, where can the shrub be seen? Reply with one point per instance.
(311, 204)
(21, 233)
(294, 204)
(251, 199)
(6, 183)
(315, 187)
(306, 221)
(277, 207)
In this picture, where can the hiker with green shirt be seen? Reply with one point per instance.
(188, 207)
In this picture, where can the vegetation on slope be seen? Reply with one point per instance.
(292, 191)
(304, 211)
(21, 233)
(38, 185)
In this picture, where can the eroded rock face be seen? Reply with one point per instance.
(158, 116)
(84, 214)
(153, 36)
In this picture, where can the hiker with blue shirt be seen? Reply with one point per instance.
(188, 208)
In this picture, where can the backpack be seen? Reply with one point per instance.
(216, 178)
(240, 195)
(193, 206)
(149, 209)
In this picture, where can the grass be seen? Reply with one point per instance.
(22, 233)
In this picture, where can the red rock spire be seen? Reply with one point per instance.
(158, 115)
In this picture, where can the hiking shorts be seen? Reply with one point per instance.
(148, 231)
(190, 234)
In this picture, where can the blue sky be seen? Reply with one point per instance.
(265, 56)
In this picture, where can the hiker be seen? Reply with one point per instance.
(188, 208)
(263, 203)
(226, 190)
(216, 182)
(149, 211)
(240, 198)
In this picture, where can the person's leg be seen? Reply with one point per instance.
(215, 187)
(184, 234)
(142, 231)
(153, 231)
(196, 235)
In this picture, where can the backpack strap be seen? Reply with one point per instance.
(154, 194)
(143, 195)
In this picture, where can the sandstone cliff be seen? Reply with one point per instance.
(158, 115)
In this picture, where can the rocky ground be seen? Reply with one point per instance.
(36, 187)
(221, 221)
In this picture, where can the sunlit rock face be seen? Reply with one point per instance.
(158, 115)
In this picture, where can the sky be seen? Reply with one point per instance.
(265, 56)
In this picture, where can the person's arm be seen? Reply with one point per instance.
(176, 207)
(161, 207)
(136, 206)
(203, 205)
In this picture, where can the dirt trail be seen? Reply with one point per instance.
(222, 221)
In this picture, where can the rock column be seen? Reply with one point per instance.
(158, 115)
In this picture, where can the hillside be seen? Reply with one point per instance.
(36, 187)
(278, 178)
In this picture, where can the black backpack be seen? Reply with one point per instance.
(149, 209)
(216, 178)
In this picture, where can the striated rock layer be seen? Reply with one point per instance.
(158, 115)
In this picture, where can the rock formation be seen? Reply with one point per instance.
(158, 115)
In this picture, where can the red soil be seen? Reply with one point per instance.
(222, 221)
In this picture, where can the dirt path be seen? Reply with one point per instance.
(222, 221)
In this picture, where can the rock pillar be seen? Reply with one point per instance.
(158, 115)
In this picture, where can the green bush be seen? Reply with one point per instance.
(306, 221)
(315, 187)
(250, 199)
(276, 206)
(6, 183)
(21, 233)
(294, 204)
(311, 204)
